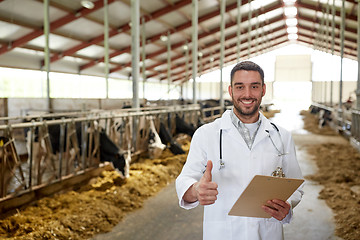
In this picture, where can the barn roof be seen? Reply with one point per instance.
(77, 33)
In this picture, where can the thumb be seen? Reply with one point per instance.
(207, 175)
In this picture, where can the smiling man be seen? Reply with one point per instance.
(246, 90)
(226, 154)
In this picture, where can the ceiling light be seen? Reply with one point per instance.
(290, 22)
(185, 47)
(212, 59)
(292, 36)
(262, 17)
(163, 38)
(292, 30)
(289, 1)
(200, 54)
(290, 11)
(87, 4)
(256, 4)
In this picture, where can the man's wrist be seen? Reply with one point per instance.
(190, 195)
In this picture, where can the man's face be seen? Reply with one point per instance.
(246, 92)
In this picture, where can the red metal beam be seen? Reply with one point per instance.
(234, 59)
(53, 26)
(348, 53)
(322, 7)
(304, 18)
(203, 35)
(346, 50)
(214, 43)
(113, 32)
(337, 35)
(350, 56)
(273, 31)
(157, 37)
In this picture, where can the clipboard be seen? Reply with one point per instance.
(259, 191)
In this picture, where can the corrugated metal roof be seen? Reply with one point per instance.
(77, 33)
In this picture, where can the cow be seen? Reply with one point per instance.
(325, 117)
(166, 138)
(155, 146)
(71, 141)
(109, 152)
(9, 162)
(183, 127)
(210, 103)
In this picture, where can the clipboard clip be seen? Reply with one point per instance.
(278, 173)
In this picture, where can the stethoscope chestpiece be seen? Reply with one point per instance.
(222, 164)
(278, 173)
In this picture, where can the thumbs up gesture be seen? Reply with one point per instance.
(206, 190)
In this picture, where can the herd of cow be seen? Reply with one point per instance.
(56, 150)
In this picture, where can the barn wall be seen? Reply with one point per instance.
(24, 106)
(295, 68)
(321, 91)
(210, 90)
(3, 107)
(269, 95)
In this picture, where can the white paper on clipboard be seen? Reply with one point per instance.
(259, 191)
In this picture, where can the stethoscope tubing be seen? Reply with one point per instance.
(280, 154)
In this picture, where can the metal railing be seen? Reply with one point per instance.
(349, 128)
(355, 129)
(40, 167)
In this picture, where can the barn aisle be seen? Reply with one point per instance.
(313, 219)
(161, 218)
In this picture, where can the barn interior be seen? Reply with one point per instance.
(99, 100)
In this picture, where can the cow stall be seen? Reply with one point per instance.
(344, 120)
(43, 154)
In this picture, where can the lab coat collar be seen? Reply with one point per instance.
(226, 124)
(264, 129)
(226, 120)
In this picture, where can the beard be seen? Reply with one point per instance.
(247, 112)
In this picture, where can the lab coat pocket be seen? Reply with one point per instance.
(271, 161)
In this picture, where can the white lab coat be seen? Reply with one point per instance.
(241, 164)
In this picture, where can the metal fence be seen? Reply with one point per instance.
(29, 164)
(355, 129)
(346, 122)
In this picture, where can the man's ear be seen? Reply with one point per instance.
(229, 90)
(264, 90)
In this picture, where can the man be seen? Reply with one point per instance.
(226, 154)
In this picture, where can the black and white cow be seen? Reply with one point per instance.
(167, 139)
(109, 152)
(183, 127)
(155, 146)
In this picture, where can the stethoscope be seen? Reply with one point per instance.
(280, 153)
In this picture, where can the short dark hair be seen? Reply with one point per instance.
(247, 66)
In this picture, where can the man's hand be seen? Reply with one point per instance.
(277, 208)
(204, 191)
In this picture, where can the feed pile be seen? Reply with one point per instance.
(96, 207)
(339, 173)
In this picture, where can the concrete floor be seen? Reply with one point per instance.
(161, 218)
